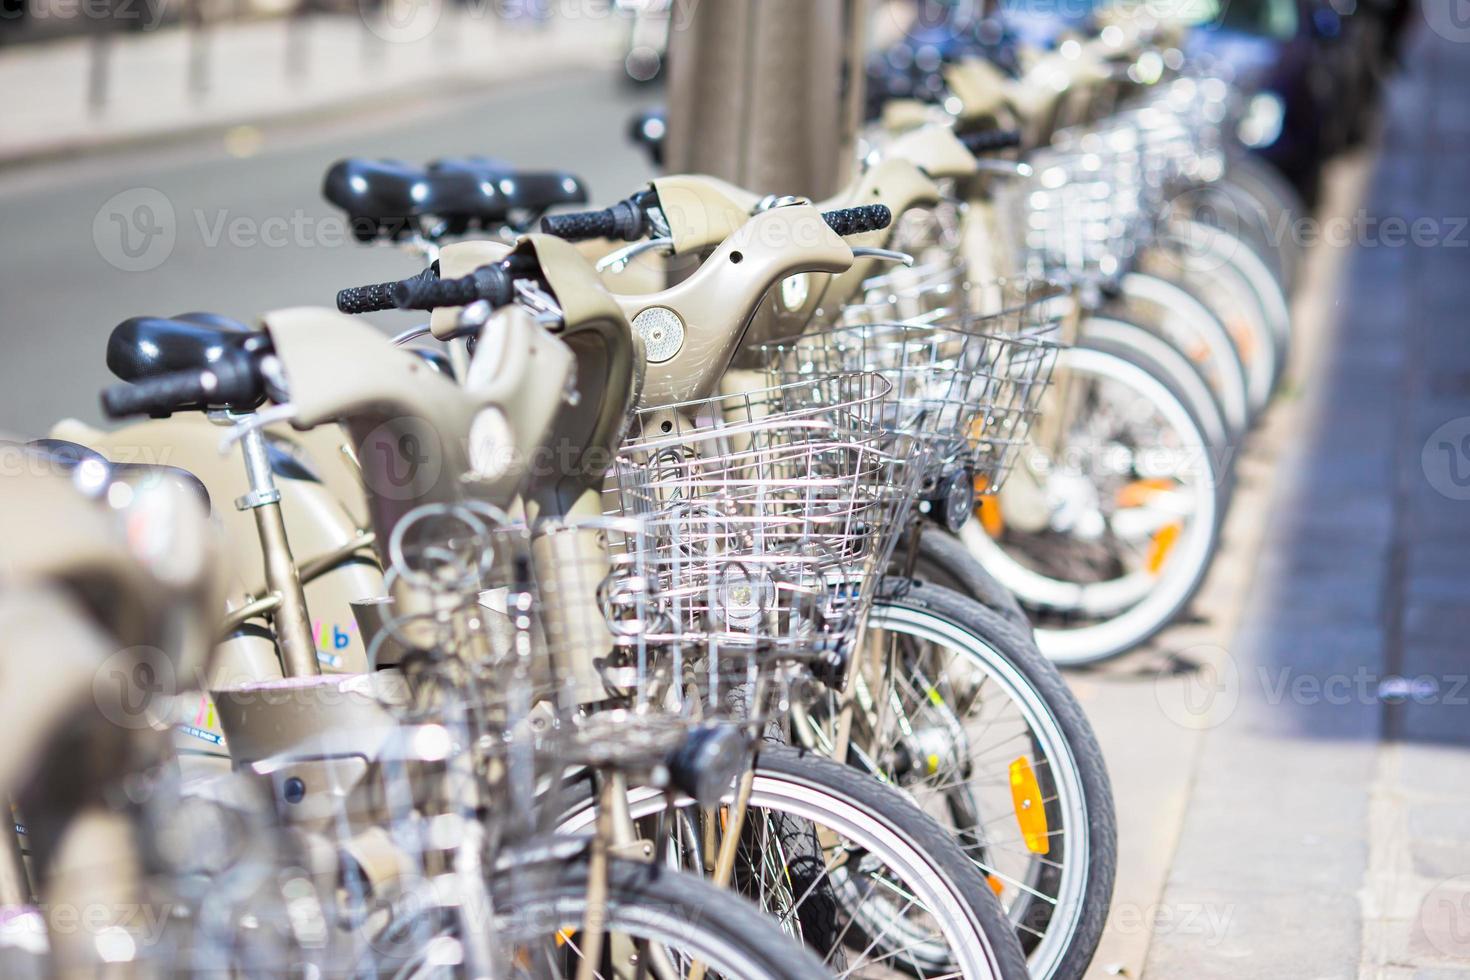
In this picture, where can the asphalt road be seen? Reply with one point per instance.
(91, 242)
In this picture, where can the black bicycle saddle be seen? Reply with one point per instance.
(392, 199)
(528, 194)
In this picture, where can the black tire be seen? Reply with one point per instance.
(944, 561)
(1016, 647)
(650, 901)
(902, 817)
(890, 813)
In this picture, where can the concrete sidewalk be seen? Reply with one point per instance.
(175, 82)
(1293, 770)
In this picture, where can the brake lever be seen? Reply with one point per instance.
(530, 295)
(1005, 168)
(618, 259)
(412, 334)
(883, 254)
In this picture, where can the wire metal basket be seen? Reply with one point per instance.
(967, 364)
(768, 512)
(1089, 206)
(1098, 194)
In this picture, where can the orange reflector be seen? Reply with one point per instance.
(992, 522)
(1244, 340)
(1030, 812)
(564, 936)
(1165, 538)
(995, 885)
(1140, 492)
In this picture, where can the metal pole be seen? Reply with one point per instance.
(100, 51)
(765, 93)
(198, 49)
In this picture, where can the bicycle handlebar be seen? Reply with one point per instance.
(628, 221)
(858, 220)
(162, 395)
(625, 220)
(991, 141)
(493, 283)
(375, 297)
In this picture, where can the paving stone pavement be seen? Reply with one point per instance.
(1326, 831)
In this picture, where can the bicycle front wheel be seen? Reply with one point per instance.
(982, 732)
(1106, 535)
(656, 921)
(896, 891)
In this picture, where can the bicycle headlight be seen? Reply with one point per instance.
(706, 765)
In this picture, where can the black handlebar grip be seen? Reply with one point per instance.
(160, 395)
(856, 221)
(580, 226)
(367, 299)
(492, 283)
(991, 141)
(378, 296)
(625, 220)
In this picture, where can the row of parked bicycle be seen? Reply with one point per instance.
(650, 629)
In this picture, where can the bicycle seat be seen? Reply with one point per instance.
(389, 198)
(68, 457)
(528, 194)
(149, 346)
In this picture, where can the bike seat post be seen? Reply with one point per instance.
(292, 621)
